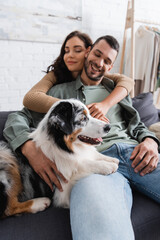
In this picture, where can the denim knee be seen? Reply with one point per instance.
(97, 205)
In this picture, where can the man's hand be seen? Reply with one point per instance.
(98, 110)
(145, 156)
(43, 166)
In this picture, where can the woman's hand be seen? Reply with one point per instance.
(43, 166)
(98, 110)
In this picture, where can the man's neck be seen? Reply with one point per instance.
(87, 81)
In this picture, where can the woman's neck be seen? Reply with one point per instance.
(75, 74)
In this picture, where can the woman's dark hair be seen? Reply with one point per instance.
(61, 71)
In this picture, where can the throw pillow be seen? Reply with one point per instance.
(143, 103)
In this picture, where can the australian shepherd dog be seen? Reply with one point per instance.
(66, 135)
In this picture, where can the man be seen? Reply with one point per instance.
(100, 206)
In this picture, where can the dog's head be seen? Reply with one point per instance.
(69, 122)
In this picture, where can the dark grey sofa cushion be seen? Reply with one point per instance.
(145, 216)
(54, 223)
(51, 224)
(3, 117)
(147, 111)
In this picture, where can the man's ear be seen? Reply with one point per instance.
(87, 51)
(110, 68)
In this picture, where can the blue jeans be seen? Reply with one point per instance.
(100, 206)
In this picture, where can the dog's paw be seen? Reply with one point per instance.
(108, 167)
(115, 160)
(40, 204)
(114, 166)
(111, 159)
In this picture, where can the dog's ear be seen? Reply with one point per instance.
(62, 117)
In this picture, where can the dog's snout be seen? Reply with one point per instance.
(107, 127)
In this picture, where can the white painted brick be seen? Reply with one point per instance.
(3, 101)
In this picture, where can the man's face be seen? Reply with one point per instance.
(99, 60)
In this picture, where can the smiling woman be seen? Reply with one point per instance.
(74, 55)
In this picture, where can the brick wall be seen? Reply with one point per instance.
(21, 66)
(23, 58)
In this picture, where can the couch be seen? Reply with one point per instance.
(54, 223)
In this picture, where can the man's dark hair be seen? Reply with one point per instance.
(113, 43)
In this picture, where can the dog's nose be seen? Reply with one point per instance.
(107, 128)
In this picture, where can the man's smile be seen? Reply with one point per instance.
(94, 68)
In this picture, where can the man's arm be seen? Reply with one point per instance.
(136, 129)
(17, 128)
(145, 156)
(43, 166)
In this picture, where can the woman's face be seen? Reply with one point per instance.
(74, 54)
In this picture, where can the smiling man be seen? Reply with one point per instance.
(99, 60)
(100, 206)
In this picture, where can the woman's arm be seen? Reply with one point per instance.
(100, 109)
(37, 99)
(121, 81)
(124, 85)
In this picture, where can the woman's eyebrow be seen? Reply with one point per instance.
(76, 46)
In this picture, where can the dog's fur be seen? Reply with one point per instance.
(66, 135)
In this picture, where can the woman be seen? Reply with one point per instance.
(65, 69)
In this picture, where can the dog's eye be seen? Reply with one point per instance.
(83, 118)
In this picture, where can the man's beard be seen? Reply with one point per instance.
(89, 75)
